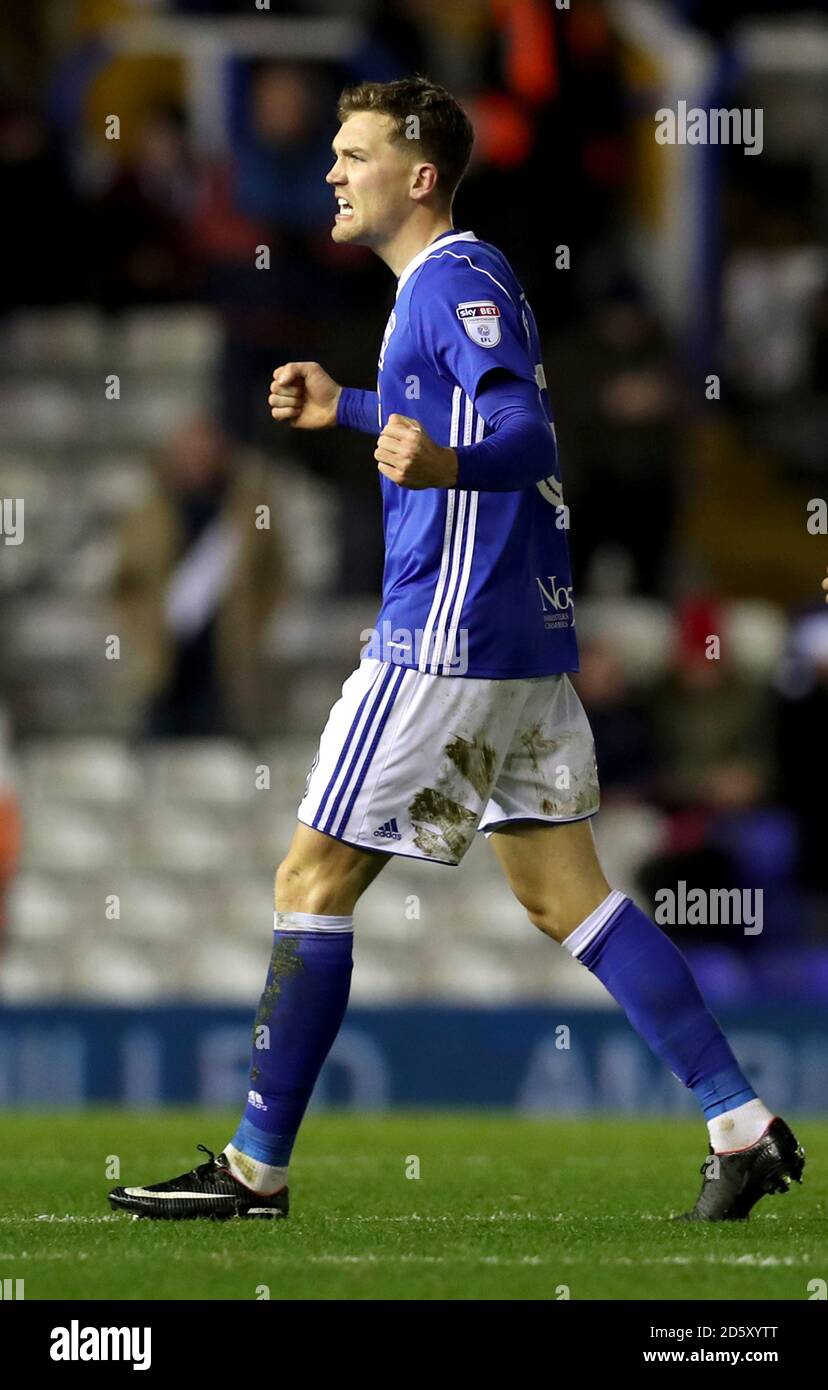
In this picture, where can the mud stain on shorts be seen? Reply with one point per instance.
(580, 801)
(475, 760)
(443, 826)
(537, 745)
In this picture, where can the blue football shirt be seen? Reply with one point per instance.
(475, 583)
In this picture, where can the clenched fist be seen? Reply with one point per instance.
(409, 456)
(303, 394)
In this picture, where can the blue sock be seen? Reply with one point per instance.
(649, 977)
(300, 1013)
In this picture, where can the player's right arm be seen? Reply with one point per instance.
(303, 395)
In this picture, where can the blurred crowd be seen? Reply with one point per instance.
(669, 499)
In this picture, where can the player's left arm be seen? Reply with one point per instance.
(520, 451)
(472, 333)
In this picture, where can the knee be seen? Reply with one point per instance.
(302, 886)
(551, 922)
(314, 886)
(559, 915)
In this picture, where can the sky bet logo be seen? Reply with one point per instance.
(481, 320)
(557, 603)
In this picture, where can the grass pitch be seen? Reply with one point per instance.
(503, 1208)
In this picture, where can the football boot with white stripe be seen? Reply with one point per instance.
(210, 1190)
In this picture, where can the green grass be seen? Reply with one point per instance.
(504, 1207)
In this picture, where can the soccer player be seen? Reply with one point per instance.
(460, 716)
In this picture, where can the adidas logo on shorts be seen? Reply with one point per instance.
(389, 831)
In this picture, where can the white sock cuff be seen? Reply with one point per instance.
(311, 922)
(579, 939)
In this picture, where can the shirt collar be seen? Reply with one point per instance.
(444, 240)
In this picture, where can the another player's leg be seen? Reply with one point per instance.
(299, 1015)
(554, 872)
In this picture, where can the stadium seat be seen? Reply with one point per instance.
(116, 483)
(116, 972)
(89, 770)
(390, 974)
(381, 915)
(178, 339)
(45, 907)
(68, 337)
(64, 838)
(159, 907)
(627, 834)
(223, 971)
(41, 411)
(26, 977)
(468, 973)
(640, 629)
(202, 772)
(187, 841)
(756, 635)
(244, 907)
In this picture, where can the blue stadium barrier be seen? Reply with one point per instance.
(535, 1060)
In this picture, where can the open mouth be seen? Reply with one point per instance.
(344, 208)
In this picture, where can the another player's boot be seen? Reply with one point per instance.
(734, 1182)
(210, 1190)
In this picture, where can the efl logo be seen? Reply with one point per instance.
(481, 320)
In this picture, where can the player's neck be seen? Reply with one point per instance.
(412, 239)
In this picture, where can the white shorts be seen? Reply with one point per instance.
(412, 763)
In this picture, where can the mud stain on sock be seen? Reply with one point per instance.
(285, 962)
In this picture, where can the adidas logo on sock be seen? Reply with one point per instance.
(254, 1098)
(389, 831)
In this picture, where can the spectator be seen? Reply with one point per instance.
(197, 578)
(142, 219)
(271, 194)
(38, 200)
(620, 723)
(711, 723)
(613, 391)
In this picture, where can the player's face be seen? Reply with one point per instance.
(371, 179)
